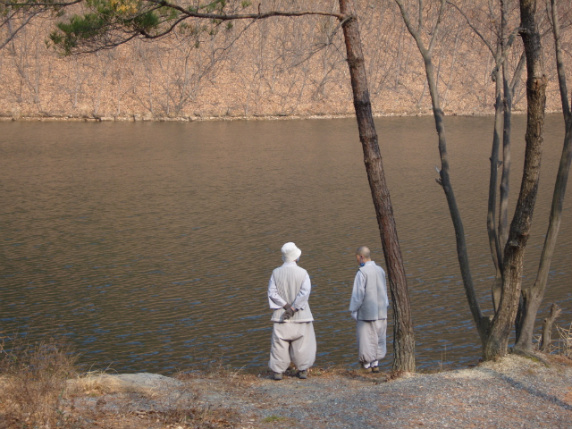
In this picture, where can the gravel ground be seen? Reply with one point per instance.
(514, 392)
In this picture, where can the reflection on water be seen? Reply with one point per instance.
(150, 245)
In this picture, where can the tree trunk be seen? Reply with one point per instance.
(493, 179)
(504, 187)
(497, 342)
(481, 322)
(494, 243)
(534, 295)
(509, 90)
(444, 180)
(404, 339)
(547, 328)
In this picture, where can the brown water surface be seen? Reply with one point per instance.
(150, 245)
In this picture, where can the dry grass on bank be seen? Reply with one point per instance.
(33, 384)
(40, 388)
(565, 344)
(115, 401)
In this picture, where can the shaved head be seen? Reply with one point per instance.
(364, 252)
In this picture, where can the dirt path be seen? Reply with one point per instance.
(513, 393)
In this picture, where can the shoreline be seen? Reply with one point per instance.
(514, 392)
(140, 118)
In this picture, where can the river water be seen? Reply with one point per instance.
(150, 245)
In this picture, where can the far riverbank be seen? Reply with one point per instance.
(140, 118)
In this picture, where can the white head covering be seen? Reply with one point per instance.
(290, 252)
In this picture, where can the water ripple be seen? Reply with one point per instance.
(156, 257)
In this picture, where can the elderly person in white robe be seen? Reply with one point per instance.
(368, 307)
(293, 338)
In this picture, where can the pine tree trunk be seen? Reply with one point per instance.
(404, 339)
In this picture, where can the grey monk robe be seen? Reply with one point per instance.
(293, 340)
(368, 306)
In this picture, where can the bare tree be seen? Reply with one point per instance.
(531, 296)
(15, 15)
(416, 30)
(503, 37)
(494, 332)
(27, 62)
(513, 258)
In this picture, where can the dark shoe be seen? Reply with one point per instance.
(303, 374)
(375, 369)
(277, 376)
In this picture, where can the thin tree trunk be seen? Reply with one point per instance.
(493, 179)
(497, 342)
(445, 181)
(534, 295)
(404, 339)
(451, 70)
(506, 157)
(505, 180)
(481, 322)
(494, 243)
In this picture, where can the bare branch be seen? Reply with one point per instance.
(234, 17)
(436, 26)
(499, 56)
(416, 34)
(475, 29)
(420, 17)
(517, 73)
(150, 19)
(13, 33)
(26, 11)
(35, 4)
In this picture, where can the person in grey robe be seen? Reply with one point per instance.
(368, 306)
(293, 337)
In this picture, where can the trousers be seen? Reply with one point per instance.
(371, 340)
(292, 342)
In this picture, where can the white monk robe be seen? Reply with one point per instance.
(293, 340)
(368, 306)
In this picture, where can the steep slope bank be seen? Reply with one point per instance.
(280, 67)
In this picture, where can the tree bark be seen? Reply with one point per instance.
(506, 155)
(547, 328)
(494, 243)
(532, 297)
(497, 342)
(404, 339)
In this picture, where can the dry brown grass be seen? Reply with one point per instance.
(565, 341)
(33, 379)
(40, 388)
(216, 369)
(101, 399)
